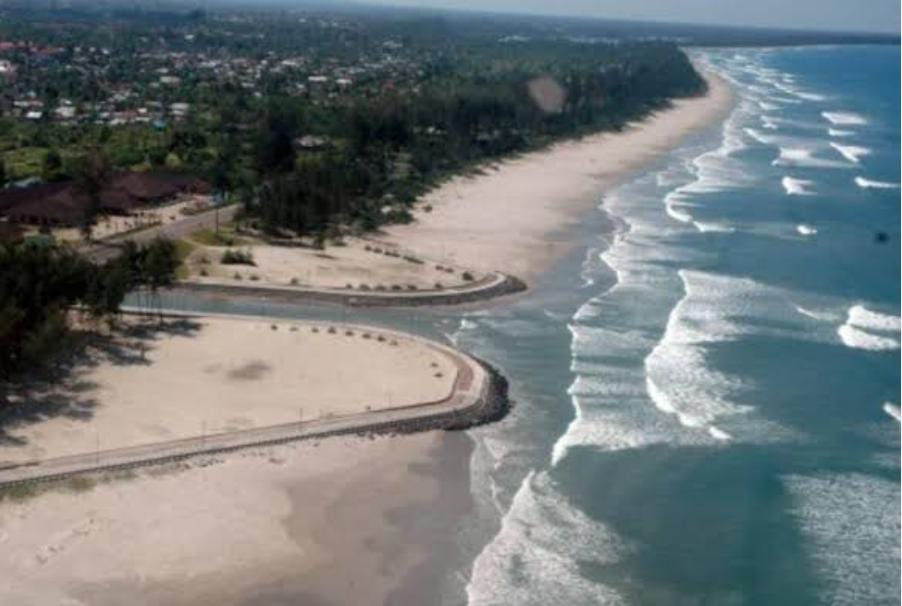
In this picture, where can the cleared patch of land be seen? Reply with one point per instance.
(357, 265)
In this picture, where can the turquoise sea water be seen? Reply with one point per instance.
(706, 407)
(707, 398)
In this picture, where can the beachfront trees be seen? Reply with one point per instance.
(40, 283)
(94, 173)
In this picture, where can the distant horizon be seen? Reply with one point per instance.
(814, 16)
(627, 11)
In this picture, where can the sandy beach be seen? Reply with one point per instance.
(342, 521)
(215, 375)
(514, 217)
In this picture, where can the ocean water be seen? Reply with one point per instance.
(707, 394)
(707, 400)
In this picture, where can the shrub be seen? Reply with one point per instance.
(237, 257)
(467, 276)
(412, 287)
(273, 327)
(293, 281)
(237, 276)
(315, 329)
(381, 339)
(396, 287)
(364, 287)
(368, 248)
(381, 287)
(427, 208)
(349, 333)
(367, 335)
(331, 330)
(439, 286)
(203, 272)
(254, 278)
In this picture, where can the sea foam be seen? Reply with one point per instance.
(870, 184)
(871, 330)
(844, 118)
(852, 153)
(797, 187)
(806, 230)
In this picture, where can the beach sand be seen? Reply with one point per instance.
(214, 375)
(350, 520)
(356, 265)
(344, 521)
(514, 217)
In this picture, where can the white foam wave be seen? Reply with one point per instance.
(717, 228)
(861, 316)
(769, 122)
(544, 538)
(677, 214)
(719, 434)
(804, 156)
(836, 132)
(870, 184)
(860, 339)
(759, 137)
(844, 118)
(823, 316)
(852, 153)
(893, 411)
(806, 230)
(797, 187)
(678, 378)
(871, 330)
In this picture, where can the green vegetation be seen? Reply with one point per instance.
(319, 124)
(237, 257)
(40, 283)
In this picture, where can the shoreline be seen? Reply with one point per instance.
(344, 520)
(724, 108)
(516, 217)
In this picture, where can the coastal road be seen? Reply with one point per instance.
(101, 252)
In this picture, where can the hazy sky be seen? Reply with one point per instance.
(847, 15)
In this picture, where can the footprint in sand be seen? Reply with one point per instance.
(64, 540)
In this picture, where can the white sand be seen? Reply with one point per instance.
(229, 374)
(511, 219)
(281, 525)
(336, 267)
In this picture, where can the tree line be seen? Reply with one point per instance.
(41, 284)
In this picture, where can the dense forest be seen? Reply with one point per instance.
(394, 147)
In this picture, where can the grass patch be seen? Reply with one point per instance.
(81, 483)
(183, 248)
(18, 492)
(224, 237)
